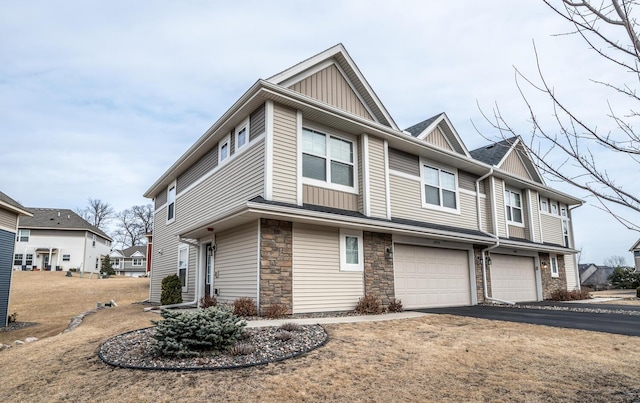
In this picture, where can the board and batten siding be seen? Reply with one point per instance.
(8, 220)
(436, 137)
(7, 242)
(552, 229)
(318, 283)
(500, 207)
(285, 154)
(404, 162)
(320, 196)
(329, 86)
(377, 181)
(236, 263)
(514, 165)
(406, 202)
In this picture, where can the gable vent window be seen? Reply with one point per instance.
(327, 158)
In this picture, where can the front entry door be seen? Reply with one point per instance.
(208, 278)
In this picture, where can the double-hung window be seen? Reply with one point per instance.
(224, 149)
(554, 266)
(513, 202)
(183, 265)
(544, 205)
(23, 235)
(327, 158)
(242, 134)
(171, 203)
(66, 258)
(28, 261)
(440, 187)
(137, 262)
(351, 252)
(17, 259)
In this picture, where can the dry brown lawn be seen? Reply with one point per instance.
(433, 358)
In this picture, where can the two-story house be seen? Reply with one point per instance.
(306, 193)
(59, 239)
(635, 249)
(10, 211)
(130, 262)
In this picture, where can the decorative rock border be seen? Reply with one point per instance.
(77, 320)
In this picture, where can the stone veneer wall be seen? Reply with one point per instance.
(550, 284)
(378, 269)
(276, 276)
(478, 267)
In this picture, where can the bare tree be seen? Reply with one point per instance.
(610, 30)
(97, 213)
(133, 224)
(615, 261)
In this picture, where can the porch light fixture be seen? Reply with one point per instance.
(487, 260)
(544, 265)
(389, 252)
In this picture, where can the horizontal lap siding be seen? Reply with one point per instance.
(205, 164)
(160, 199)
(535, 210)
(318, 283)
(285, 161)
(552, 229)
(329, 198)
(516, 232)
(487, 219)
(6, 261)
(360, 175)
(377, 187)
(404, 162)
(236, 262)
(256, 123)
(8, 220)
(467, 181)
(570, 270)
(406, 202)
(500, 208)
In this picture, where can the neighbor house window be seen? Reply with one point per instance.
(93, 240)
(242, 134)
(66, 258)
(171, 203)
(636, 253)
(554, 266)
(183, 265)
(137, 262)
(28, 261)
(351, 251)
(223, 149)
(328, 158)
(439, 187)
(116, 262)
(513, 202)
(17, 259)
(23, 235)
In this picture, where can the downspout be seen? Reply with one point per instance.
(189, 303)
(495, 237)
(576, 271)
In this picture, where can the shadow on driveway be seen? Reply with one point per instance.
(615, 323)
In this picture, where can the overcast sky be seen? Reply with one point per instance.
(98, 99)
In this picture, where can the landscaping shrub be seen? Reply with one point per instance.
(190, 333)
(106, 267)
(638, 292)
(208, 301)
(369, 305)
(395, 306)
(171, 290)
(276, 311)
(13, 317)
(283, 335)
(242, 349)
(290, 326)
(244, 306)
(564, 295)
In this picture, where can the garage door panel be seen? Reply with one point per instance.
(513, 278)
(430, 277)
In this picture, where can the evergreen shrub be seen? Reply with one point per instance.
(171, 290)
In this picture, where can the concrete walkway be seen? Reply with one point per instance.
(336, 319)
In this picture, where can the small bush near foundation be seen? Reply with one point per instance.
(171, 290)
(190, 333)
(244, 306)
(276, 311)
(290, 326)
(638, 292)
(574, 295)
(208, 301)
(242, 349)
(369, 305)
(13, 317)
(395, 306)
(283, 335)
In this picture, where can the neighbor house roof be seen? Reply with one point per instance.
(130, 251)
(58, 219)
(12, 205)
(493, 153)
(635, 246)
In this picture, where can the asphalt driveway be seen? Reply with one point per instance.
(628, 325)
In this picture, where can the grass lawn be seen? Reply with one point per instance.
(433, 358)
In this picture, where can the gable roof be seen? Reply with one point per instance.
(58, 219)
(9, 204)
(132, 250)
(497, 154)
(493, 153)
(338, 56)
(635, 246)
(425, 128)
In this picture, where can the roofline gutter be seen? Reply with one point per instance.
(15, 209)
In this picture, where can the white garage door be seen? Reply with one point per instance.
(430, 277)
(513, 278)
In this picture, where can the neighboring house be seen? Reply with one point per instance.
(59, 239)
(10, 211)
(306, 193)
(595, 277)
(635, 249)
(130, 262)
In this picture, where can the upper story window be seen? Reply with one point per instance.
(439, 187)
(66, 258)
(242, 134)
(171, 203)
(23, 235)
(223, 149)
(513, 203)
(93, 240)
(328, 159)
(544, 205)
(137, 262)
(554, 208)
(563, 211)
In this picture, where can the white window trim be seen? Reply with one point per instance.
(328, 184)
(426, 205)
(172, 185)
(243, 125)
(344, 266)
(552, 259)
(506, 206)
(553, 204)
(544, 202)
(133, 262)
(225, 140)
(20, 233)
(186, 271)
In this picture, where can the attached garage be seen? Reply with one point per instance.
(513, 278)
(430, 277)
